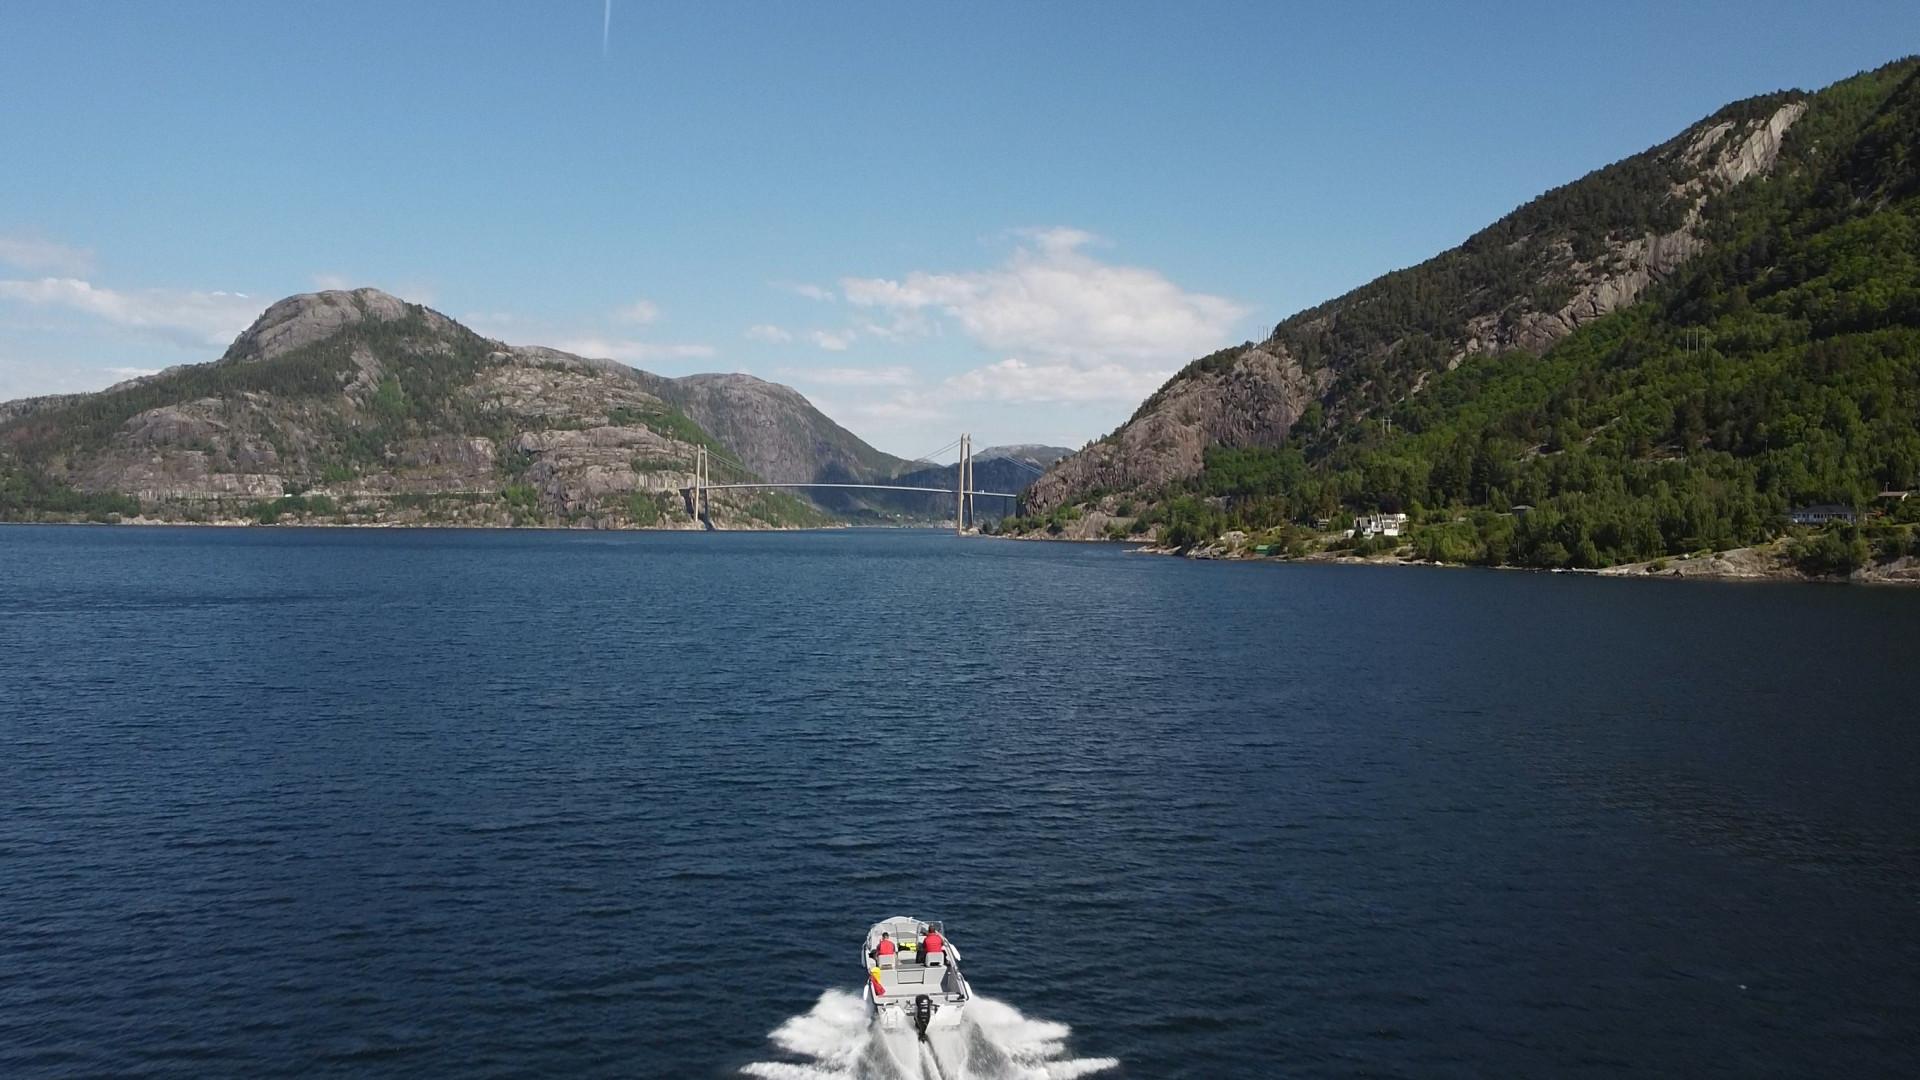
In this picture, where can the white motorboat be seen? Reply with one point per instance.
(906, 989)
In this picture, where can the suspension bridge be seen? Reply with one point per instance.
(698, 494)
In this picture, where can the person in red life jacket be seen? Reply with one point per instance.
(933, 947)
(885, 948)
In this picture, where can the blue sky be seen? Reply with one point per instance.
(1013, 219)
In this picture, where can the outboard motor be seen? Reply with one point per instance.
(922, 1012)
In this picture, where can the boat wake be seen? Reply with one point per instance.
(994, 1042)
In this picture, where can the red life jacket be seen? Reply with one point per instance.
(934, 943)
(885, 948)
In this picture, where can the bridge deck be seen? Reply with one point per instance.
(864, 487)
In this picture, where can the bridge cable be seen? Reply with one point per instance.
(928, 456)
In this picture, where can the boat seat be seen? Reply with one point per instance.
(885, 960)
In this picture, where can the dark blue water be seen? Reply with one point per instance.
(409, 803)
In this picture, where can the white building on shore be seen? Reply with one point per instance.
(1379, 525)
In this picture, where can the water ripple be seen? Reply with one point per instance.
(461, 804)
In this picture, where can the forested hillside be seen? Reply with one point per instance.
(1777, 364)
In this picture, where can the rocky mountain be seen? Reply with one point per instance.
(773, 430)
(359, 407)
(1570, 256)
(1666, 355)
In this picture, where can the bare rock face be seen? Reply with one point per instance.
(310, 317)
(1604, 285)
(541, 385)
(1252, 403)
(194, 424)
(207, 448)
(457, 454)
(1629, 266)
(437, 464)
(576, 470)
(1754, 155)
(179, 473)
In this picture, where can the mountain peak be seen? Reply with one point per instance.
(309, 317)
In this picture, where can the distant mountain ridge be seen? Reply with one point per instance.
(373, 409)
(1033, 453)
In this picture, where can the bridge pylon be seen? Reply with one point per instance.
(963, 488)
(700, 492)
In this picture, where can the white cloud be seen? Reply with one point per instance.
(904, 324)
(801, 288)
(893, 375)
(633, 352)
(1052, 299)
(331, 282)
(1058, 239)
(832, 341)
(1014, 380)
(772, 335)
(190, 318)
(920, 290)
(639, 313)
(38, 256)
(132, 372)
(1096, 331)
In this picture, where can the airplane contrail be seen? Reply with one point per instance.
(606, 25)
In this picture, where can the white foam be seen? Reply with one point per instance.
(833, 1034)
(834, 1039)
(1067, 1070)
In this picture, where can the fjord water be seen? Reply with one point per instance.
(420, 803)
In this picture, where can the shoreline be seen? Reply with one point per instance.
(1750, 564)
